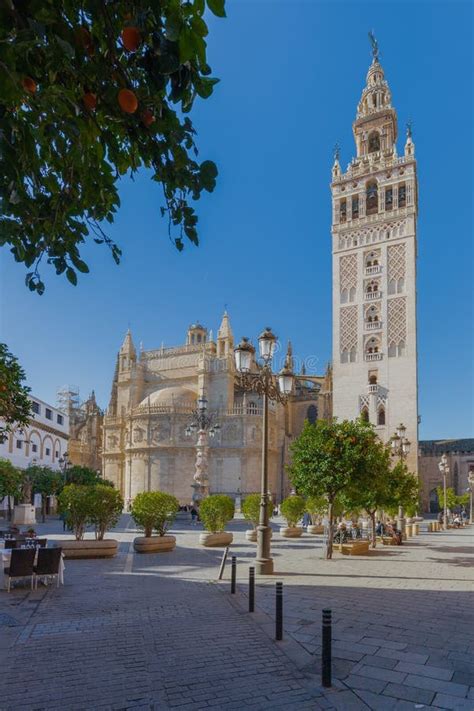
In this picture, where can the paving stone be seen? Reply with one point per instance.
(445, 701)
(409, 693)
(377, 673)
(409, 657)
(361, 682)
(376, 702)
(446, 687)
(388, 644)
(425, 670)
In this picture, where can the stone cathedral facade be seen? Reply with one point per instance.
(154, 392)
(374, 213)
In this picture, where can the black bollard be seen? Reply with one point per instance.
(233, 574)
(251, 589)
(326, 661)
(279, 612)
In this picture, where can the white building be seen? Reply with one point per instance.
(43, 442)
(374, 271)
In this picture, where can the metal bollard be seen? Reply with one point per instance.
(251, 589)
(279, 612)
(233, 574)
(326, 661)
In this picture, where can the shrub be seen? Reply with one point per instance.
(215, 511)
(154, 511)
(251, 508)
(106, 507)
(76, 504)
(293, 509)
(316, 506)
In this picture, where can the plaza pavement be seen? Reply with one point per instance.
(158, 632)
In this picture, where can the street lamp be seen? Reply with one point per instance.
(400, 448)
(444, 469)
(271, 387)
(470, 481)
(202, 422)
(64, 464)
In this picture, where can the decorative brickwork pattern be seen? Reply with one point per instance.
(397, 320)
(396, 261)
(348, 271)
(348, 328)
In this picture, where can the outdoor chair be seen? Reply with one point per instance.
(21, 565)
(10, 543)
(49, 560)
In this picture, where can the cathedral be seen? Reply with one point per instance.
(146, 440)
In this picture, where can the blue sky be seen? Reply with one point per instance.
(291, 76)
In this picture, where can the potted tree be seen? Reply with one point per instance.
(316, 506)
(154, 511)
(251, 512)
(292, 509)
(215, 512)
(83, 505)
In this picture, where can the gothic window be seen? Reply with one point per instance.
(381, 416)
(372, 287)
(344, 296)
(252, 408)
(372, 202)
(400, 285)
(402, 195)
(312, 414)
(374, 138)
(352, 355)
(392, 286)
(372, 379)
(364, 415)
(345, 356)
(199, 338)
(355, 207)
(343, 210)
(392, 350)
(389, 199)
(401, 348)
(372, 346)
(352, 293)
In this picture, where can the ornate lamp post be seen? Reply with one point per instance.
(444, 469)
(270, 387)
(470, 481)
(401, 449)
(202, 422)
(64, 465)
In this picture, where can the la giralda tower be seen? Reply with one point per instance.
(374, 211)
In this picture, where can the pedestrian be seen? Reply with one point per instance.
(194, 516)
(62, 517)
(306, 519)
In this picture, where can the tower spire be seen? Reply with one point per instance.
(375, 46)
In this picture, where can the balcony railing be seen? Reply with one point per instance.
(373, 356)
(373, 389)
(372, 325)
(373, 295)
(373, 270)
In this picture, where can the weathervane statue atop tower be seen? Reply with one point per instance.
(375, 46)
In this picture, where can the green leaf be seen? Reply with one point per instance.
(199, 26)
(217, 7)
(79, 264)
(66, 47)
(71, 275)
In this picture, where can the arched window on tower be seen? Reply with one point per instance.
(364, 414)
(388, 198)
(402, 195)
(381, 416)
(372, 202)
(355, 207)
(343, 210)
(374, 140)
(312, 414)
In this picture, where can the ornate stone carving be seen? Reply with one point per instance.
(348, 327)
(396, 261)
(397, 322)
(348, 271)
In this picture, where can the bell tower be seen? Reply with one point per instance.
(374, 213)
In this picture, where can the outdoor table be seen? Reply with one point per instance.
(5, 556)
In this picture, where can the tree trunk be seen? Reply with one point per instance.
(374, 537)
(330, 532)
(9, 508)
(148, 531)
(43, 508)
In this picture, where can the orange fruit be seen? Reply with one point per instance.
(128, 102)
(148, 118)
(29, 84)
(131, 39)
(90, 100)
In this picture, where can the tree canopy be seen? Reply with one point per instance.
(91, 91)
(15, 405)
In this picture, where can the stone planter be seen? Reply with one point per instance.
(154, 544)
(24, 514)
(88, 548)
(210, 540)
(315, 529)
(251, 534)
(291, 531)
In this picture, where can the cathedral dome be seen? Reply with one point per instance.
(171, 397)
